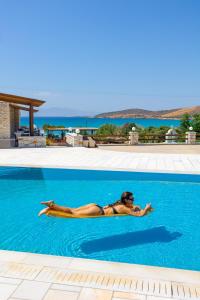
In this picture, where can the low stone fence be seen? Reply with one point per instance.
(31, 141)
(190, 137)
(7, 143)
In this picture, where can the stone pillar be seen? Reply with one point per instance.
(190, 137)
(5, 129)
(133, 138)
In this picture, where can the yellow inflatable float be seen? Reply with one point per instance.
(60, 214)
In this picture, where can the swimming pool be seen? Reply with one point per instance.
(169, 237)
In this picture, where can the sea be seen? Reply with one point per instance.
(97, 122)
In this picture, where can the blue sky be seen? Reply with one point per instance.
(102, 55)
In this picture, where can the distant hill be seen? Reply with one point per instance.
(177, 114)
(148, 114)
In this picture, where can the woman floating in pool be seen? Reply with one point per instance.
(122, 207)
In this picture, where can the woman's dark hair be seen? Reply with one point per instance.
(124, 196)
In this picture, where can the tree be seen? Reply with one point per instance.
(195, 123)
(126, 128)
(107, 129)
(185, 122)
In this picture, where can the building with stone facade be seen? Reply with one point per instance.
(9, 120)
(10, 107)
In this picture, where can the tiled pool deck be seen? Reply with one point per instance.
(100, 159)
(36, 277)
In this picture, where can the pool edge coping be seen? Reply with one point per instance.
(139, 170)
(181, 276)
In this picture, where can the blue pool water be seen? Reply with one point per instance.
(168, 237)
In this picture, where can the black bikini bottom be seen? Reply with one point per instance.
(101, 209)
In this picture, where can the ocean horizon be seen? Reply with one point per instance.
(97, 122)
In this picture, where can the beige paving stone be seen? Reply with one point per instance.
(18, 270)
(61, 295)
(52, 275)
(6, 290)
(95, 294)
(66, 287)
(132, 270)
(101, 266)
(131, 296)
(165, 289)
(12, 256)
(100, 281)
(159, 298)
(47, 260)
(198, 291)
(193, 292)
(178, 291)
(116, 298)
(31, 290)
(10, 280)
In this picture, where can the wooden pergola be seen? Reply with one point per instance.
(23, 103)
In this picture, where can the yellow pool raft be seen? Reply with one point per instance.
(60, 214)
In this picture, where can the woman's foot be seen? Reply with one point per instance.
(43, 211)
(48, 203)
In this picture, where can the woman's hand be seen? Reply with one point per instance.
(148, 206)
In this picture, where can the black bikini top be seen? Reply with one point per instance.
(115, 212)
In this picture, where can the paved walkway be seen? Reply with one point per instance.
(155, 148)
(44, 277)
(100, 159)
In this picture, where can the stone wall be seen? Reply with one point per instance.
(9, 120)
(4, 120)
(31, 141)
(7, 143)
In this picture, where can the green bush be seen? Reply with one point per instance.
(108, 129)
(126, 128)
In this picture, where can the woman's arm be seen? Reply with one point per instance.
(136, 208)
(141, 212)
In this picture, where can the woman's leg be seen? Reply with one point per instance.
(47, 203)
(84, 207)
(87, 209)
(50, 204)
(61, 208)
(43, 211)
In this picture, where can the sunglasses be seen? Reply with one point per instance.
(130, 199)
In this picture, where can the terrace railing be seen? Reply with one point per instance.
(110, 139)
(144, 139)
(162, 138)
(125, 139)
(198, 138)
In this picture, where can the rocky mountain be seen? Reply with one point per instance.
(142, 113)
